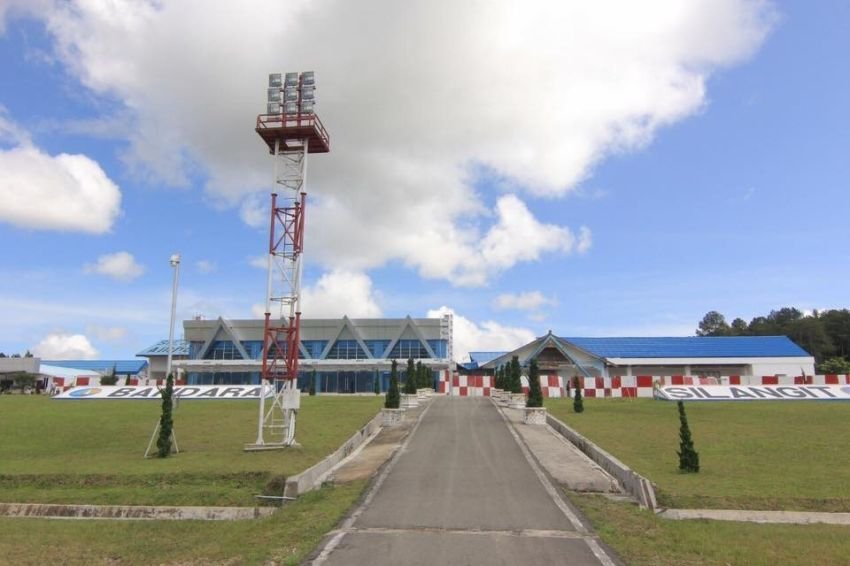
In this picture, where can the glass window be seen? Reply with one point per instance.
(405, 349)
(223, 350)
(347, 350)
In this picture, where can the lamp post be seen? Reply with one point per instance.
(175, 263)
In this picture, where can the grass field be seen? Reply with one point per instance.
(284, 538)
(92, 451)
(758, 455)
(642, 538)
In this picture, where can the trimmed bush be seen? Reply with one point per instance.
(535, 394)
(410, 378)
(166, 420)
(312, 390)
(393, 399)
(688, 457)
(514, 373)
(377, 385)
(578, 403)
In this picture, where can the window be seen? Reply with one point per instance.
(405, 349)
(223, 350)
(347, 350)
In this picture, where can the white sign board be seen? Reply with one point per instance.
(182, 392)
(753, 392)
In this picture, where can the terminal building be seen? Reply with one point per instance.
(704, 356)
(347, 355)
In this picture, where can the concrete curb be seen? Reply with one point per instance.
(312, 478)
(633, 483)
(132, 512)
(788, 517)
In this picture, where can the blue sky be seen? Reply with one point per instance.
(555, 169)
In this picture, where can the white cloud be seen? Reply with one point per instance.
(528, 301)
(336, 293)
(255, 210)
(339, 293)
(107, 333)
(120, 265)
(64, 346)
(487, 336)
(206, 266)
(44, 192)
(417, 97)
(260, 261)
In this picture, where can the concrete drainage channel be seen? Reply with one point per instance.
(296, 485)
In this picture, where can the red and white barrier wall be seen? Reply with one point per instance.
(626, 385)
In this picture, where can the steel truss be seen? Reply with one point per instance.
(276, 426)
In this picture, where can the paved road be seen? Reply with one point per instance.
(461, 491)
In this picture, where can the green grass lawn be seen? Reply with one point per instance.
(58, 451)
(757, 455)
(284, 538)
(642, 538)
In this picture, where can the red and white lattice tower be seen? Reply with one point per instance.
(292, 131)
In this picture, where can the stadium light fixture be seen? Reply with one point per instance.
(175, 263)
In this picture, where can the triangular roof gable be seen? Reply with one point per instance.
(409, 325)
(346, 325)
(222, 328)
(553, 341)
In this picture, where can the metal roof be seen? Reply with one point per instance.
(691, 347)
(482, 358)
(122, 367)
(179, 348)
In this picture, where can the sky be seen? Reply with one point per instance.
(594, 169)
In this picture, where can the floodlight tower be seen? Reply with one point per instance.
(291, 130)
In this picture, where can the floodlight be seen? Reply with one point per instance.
(274, 95)
(290, 108)
(290, 94)
(291, 79)
(275, 80)
(273, 108)
(307, 106)
(308, 78)
(308, 93)
(174, 260)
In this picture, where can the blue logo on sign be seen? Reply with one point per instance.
(87, 392)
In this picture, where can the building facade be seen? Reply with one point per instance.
(703, 356)
(347, 355)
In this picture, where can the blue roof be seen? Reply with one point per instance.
(122, 367)
(179, 348)
(482, 358)
(691, 347)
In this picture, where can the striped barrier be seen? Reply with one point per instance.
(625, 386)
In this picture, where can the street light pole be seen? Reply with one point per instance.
(175, 263)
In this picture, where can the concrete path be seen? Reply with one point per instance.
(566, 464)
(463, 489)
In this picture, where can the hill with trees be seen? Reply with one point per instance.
(824, 334)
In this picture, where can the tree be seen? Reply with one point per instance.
(834, 366)
(312, 390)
(27, 354)
(166, 420)
(393, 399)
(110, 379)
(535, 394)
(713, 324)
(498, 381)
(377, 383)
(515, 373)
(423, 375)
(739, 327)
(2, 355)
(578, 403)
(688, 457)
(410, 381)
